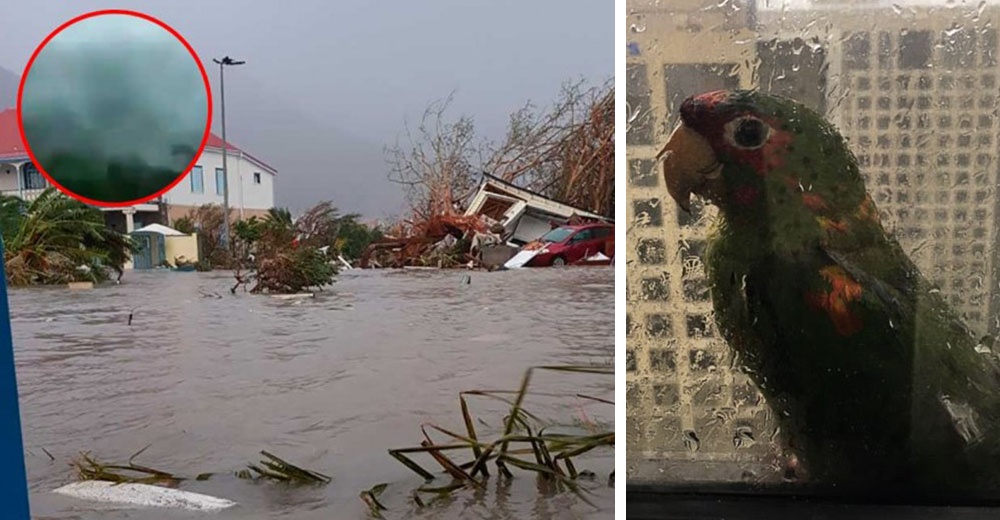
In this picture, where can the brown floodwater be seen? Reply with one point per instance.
(208, 379)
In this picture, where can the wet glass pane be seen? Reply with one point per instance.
(821, 318)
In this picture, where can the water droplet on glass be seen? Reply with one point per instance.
(691, 441)
(743, 437)
(633, 116)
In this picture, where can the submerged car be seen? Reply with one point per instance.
(572, 244)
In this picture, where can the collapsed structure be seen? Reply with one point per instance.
(500, 218)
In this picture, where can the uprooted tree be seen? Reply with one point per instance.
(436, 165)
(278, 253)
(281, 252)
(564, 151)
(289, 255)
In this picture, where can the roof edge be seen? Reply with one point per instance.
(487, 177)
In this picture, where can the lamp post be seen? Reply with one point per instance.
(225, 145)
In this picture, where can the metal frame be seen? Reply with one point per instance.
(13, 479)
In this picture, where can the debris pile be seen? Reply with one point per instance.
(441, 241)
(554, 167)
(500, 219)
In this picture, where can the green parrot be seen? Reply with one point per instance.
(878, 385)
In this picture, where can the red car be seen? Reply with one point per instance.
(570, 244)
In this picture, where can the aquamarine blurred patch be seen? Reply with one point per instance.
(114, 108)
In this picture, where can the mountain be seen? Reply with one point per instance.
(316, 159)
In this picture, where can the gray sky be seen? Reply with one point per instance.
(354, 70)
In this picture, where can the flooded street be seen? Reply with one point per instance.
(209, 379)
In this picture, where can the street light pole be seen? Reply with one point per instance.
(225, 146)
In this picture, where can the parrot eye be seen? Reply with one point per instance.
(748, 132)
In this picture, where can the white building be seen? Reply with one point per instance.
(251, 182)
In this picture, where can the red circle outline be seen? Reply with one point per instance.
(208, 123)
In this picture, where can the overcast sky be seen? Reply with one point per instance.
(365, 65)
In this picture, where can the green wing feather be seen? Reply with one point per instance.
(908, 398)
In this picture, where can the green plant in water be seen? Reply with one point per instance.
(89, 468)
(284, 254)
(271, 468)
(370, 498)
(276, 469)
(524, 443)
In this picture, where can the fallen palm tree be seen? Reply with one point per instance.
(525, 443)
(55, 239)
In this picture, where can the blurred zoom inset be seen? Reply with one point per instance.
(114, 108)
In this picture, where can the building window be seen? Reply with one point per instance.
(197, 180)
(256, 177)
(915, 49)
(857, 48)
(638, 102)
(31, 178)
(220, 181)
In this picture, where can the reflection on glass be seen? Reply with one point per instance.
(911, 87)
(557, 235)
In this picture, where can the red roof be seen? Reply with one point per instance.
(215, 141)
(11, 146)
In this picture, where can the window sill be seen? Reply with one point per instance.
(675, 503)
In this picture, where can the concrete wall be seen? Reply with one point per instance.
(8, 176)
(175, 212)
(243, 191)
(186, 246)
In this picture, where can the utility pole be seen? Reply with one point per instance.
(225, 145)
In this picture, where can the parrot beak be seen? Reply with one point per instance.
(689, 165)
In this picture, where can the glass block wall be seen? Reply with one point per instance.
(915, 92)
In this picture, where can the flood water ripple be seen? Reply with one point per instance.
(208, 379)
